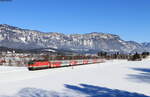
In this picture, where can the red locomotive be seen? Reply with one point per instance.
(63, 62)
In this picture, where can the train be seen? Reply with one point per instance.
(62, 62)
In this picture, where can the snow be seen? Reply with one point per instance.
(50, 50)
(131, 76)
(23, 39)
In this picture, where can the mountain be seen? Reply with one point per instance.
(14, 37)
(146, 45)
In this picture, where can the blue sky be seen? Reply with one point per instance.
(129, 19)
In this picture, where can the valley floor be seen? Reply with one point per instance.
(114, 78)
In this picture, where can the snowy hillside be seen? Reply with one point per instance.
(115, 78)
(14, 37)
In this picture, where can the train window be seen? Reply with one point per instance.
(30, 62)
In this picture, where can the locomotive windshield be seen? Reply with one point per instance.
(30, 62)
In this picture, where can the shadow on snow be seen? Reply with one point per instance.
(96, 91)
(143, 76)
(77, 91)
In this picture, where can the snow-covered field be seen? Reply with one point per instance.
(130, 78)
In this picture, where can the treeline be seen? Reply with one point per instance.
(133, 57)
(65, 57)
